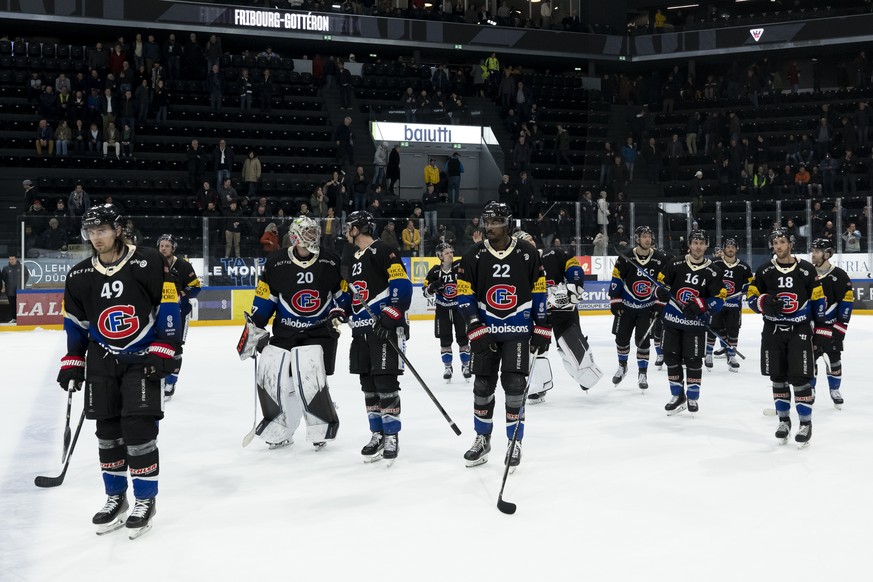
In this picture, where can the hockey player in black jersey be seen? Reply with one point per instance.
(187, 287)
(377, 279)
(830, 333)
(564, 282)
(502, 295)
(787, 292)
(633, 303)
(736, 276)
(691, 289)
(123, 327)
(301, 286)
(441, 286)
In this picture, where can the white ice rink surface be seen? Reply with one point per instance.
(610, 488)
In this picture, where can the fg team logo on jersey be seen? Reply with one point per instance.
(450, 291)
(362, 295)
(789, 302)
(642, 289)
(306, 301)
(118, 322)
(729, 286)
(686, 294)
(502, 297)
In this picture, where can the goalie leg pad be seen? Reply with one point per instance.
(541, 379)
(577, 357)
(280, 404)
(310, 383)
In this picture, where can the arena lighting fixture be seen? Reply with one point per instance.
(683, 6)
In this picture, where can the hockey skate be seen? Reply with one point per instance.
(707, 361)
(620, 373)
(659, 362)
(513, 456)
(390, 448)
(720, 353)
(465, 370)
(643, 380)
(676, 405)
(733, 364)
(372, 451)
(280, 444)
(693, 407)
(837, 398)
(169, 390)
(478, 453)
(537, 398)
(319, 445)
(447, 373)
(112, 516)
(804, 433)
(783, 430)
(140, 519)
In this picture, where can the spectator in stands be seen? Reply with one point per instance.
(206, 195)
(545, 230)
(818, 219)
(675, 152)
(521, 97)
(470, 229)
(411, 239)
(392, 172)
(78, 107)
(36, 216)
(63, 136)
(619, 175)
(359, 187)
(196, 164)
(34, 86)
(215, 87)
(77, 203)
(45, 139)
(824, 135)
(108, 109)
(511, 123)
(652, 157)
(227, 194)
(344, 140)
(607, 157)
(232, 229)
(31, 193)
(251, 173)
(222, 161)
(265, 92)
(63, 104)
(801, 181)
(143, 97)
(244, 85)
(618, 209)
(602, 211)
(409, 101)
(852, 239)
(330, 229)
(126, 78)
(131, 233)
(792, 151)
(692, 128)
(79, 137)
(744, 185)
(151, 52)
(318, 202)
(862, 123)
(270, 239)
(805, 150)
(112, 139)
(440, 77)
(508, 194)
(696, 191)
(588, 215)
(53, 238)
(847, 170)
(10, 277)
(94, 139)
(619, 238)
(194, 61)
(848, 134)
(429, 201)
(814, 187)
(213, 51)
(828, 231)
(431, 173)
(344, 80)
(126, 141)
(389, 236)
(380, 163)
(417, 216)
(829, 167)
(521, 154)
(161, 103)
(528, 198)
(454, 169)
(562, 148)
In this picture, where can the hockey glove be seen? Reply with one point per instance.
(389, 320)
(662, 295)
(480, 339)
(72, 370)
(161, 361)
(253, 339)
(823, 337)
(335, 320)
(615, 305)
(839, 332)
(770, 305)
(434, 288)
(695, 307)
(540, 340)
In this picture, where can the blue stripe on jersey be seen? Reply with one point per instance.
(77, 336)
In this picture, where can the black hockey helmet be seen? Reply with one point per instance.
(640, 231)
(443, 246)
(363, 221)
(495, 211)
(100, 215)
(781, 232)
(730, 242)
(168, 237)
(698, 234)
(823, 244)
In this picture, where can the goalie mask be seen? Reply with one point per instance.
(305, 232)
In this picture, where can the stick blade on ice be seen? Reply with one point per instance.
(505, 506)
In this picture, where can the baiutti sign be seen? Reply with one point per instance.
(425, 133)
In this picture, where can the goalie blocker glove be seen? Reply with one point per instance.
(72, 370)
(253, 339)
(389, 320)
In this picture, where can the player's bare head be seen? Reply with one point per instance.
(643, 237)
(729, 248)
(698, 242)
(102, 227)
(496, 218)
(822, 251)
(167, 245)
(305, 233)
(782, 242)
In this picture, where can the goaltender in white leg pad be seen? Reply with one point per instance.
(578, 359)
(310, 384)
(279, 402)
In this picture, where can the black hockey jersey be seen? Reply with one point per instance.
(300, 292)
(839, 296)
(736, 278)
(379, 279)
(687, 281)
(505, 290)
(797, 286)
(124, 307)
(562, 268)
(629, 287)
(447, 291)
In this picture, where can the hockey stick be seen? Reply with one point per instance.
(251, 434)
(406, 361)
(43, 481)
(648, 331)
(677, 306)
(67, 432)
(505, 506)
